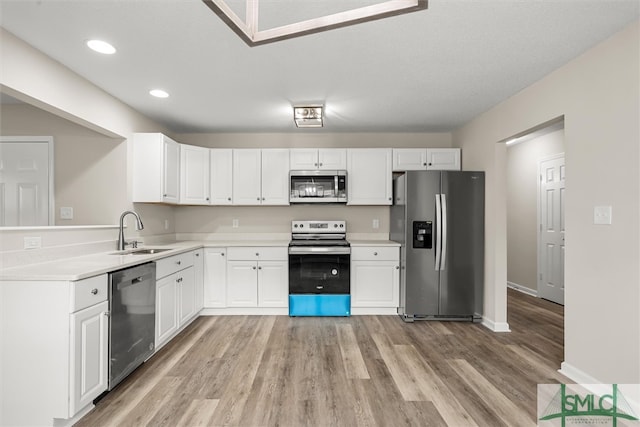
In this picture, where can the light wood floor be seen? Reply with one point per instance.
(362, 370)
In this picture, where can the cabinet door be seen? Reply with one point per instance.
(275, 177)
(273, 284)
(242, 281)
(332, 158)
(369, 178)
(374, 284)
(443, 159)
(171, 171)
(186, 289)
(89, 355)
(221, 176)
(215, 283)
(166, 309)
(246, 177)
(194, 175)
(303, 159)
(198, 278)
(409, 159)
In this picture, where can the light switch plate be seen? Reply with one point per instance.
(602, 215)
(376, 223)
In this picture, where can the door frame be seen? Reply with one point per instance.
(49, 141)
(539, 216)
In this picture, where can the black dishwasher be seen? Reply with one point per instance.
(132, 322)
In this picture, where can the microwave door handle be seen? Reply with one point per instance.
(438, 231)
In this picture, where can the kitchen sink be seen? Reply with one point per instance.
(142, 251)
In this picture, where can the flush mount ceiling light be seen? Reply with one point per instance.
(158, 93)
(101, 46)
(309, 116)
(248, 28)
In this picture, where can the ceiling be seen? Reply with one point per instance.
(427, 71)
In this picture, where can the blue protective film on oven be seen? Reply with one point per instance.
(320, 305)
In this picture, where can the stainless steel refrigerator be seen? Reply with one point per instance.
(438, 218)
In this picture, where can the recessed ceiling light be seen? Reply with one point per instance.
(158, 93)
(101, 47)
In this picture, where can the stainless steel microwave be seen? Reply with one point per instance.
(318, 186)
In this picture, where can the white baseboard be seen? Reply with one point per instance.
(523, 289)
(598, 387)
(495, 326)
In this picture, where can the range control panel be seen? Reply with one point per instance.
(317, 227)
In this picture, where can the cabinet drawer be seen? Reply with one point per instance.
(258, 253)
(372, 253)
(87, 292)
(170, 265)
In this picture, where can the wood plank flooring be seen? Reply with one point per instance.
(356, 371)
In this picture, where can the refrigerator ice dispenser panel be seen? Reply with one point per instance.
(422, 235)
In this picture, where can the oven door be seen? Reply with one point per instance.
(319, 273)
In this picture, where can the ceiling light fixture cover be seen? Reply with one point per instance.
(158, 93)
(101, 46)
(309, 116)
(248, 28)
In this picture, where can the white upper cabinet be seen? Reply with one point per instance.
(275, 177)
(156, 168)
(415, 159)
(443, 159)
(261, 177)
(323, 158)
(194, 175)
(369, 176)
(221, 163)
(247, 177)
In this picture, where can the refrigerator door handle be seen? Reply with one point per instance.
(438, 231)
(443, 256)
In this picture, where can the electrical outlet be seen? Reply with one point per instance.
(166, 224)
(66, 213)
(376, 223)
(602, 215)
(236, 223)
(32, 242)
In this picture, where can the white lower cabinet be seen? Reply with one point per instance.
(215, 278)
(375, 277)
(257, 277)
(54, 359)
(89, 357)
(175, 295)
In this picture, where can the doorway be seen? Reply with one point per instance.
(535, 220)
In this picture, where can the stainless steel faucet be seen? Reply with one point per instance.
(139, 226)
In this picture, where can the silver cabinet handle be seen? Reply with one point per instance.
(320, 164)
(257, 253)
(259, 268)
(258, 199)
(315, 164)
(375, 254)
(107, 314)
(397, 267)
(222, 254)
(229, 198)
(94, 291)
(207, 199)
(197, 254)
(254, 267)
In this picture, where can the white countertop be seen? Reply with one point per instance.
(81, 267)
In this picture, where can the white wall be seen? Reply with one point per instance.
(522, 206)
(598, 94)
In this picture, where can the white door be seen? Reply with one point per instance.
(443, 159)
(409, 159)
(26, 196)
(187, 295)
(369, 176)
(551, 246)
(215, 273)
(332, 158)
(166, 309)
(242, 284)
(171, 171)
(303, 159)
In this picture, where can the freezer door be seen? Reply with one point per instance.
(421, 290)
(462, 274)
